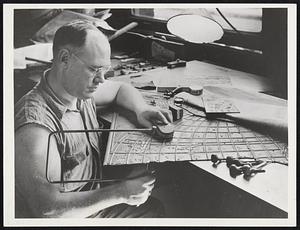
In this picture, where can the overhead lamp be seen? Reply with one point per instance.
(195, 28)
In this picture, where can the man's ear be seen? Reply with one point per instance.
(64, 56)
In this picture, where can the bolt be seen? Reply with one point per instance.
(230, 161)
(250, 171)
(262, 164)
(256, 169)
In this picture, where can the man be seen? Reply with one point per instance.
(65, 99)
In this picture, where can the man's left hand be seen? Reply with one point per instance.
(150, 115)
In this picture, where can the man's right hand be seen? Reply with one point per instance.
(136, 191)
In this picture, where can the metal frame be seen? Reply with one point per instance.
(152, 130)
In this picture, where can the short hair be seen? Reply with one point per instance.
(73, 33)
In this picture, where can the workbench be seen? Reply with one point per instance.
(266, 191)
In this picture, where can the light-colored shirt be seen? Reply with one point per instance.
(79, 152)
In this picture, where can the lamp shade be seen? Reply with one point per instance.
(195, 28)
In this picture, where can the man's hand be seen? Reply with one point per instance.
(136, 191)
(150, 115)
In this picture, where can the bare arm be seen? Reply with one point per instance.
(127, 96)
(45, 199)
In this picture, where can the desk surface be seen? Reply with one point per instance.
(242, 88)
(196, 70)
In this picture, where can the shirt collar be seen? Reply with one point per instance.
(52, 100)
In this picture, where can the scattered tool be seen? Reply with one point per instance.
(215, 159)
(213, 107)
(246, 169)
(238, 162)
(238, 166)
(250, 171)
(178, 101)
(177, 112)
(176, 63)
(232, 161)
(256, 169)
(194, 90)
(235, 170)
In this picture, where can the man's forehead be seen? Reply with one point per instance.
(97, 38)
(96, 50)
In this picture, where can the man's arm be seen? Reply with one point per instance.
(45, 199)
(127, 96)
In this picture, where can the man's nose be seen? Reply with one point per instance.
(99, 78)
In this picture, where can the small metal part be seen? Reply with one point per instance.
(121, 56)
(262, 164)
(194, 90)
(142, 64)
(235, 170)
(177, 112)
(230, 161)
(177, 63)
(250, 171)
(237, 167)
(216, 160)
(178, 101)
(153, 102)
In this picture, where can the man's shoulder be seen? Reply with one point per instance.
(31, 108)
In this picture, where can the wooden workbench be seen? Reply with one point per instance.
(262, 109)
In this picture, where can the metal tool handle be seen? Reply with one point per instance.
(123, 30)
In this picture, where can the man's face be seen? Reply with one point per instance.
(81, 79)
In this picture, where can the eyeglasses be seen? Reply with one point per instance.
(95, 71)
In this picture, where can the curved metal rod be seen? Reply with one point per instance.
(89, 131)
(227, 21)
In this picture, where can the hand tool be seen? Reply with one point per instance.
(176, 63)
(177, 112)
(256, 169)
(194, 90)
(240, 162)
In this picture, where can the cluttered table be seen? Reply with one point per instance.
(233, 116)
(198, 138)
(255, 108)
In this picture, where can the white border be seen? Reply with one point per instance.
(8, 121)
